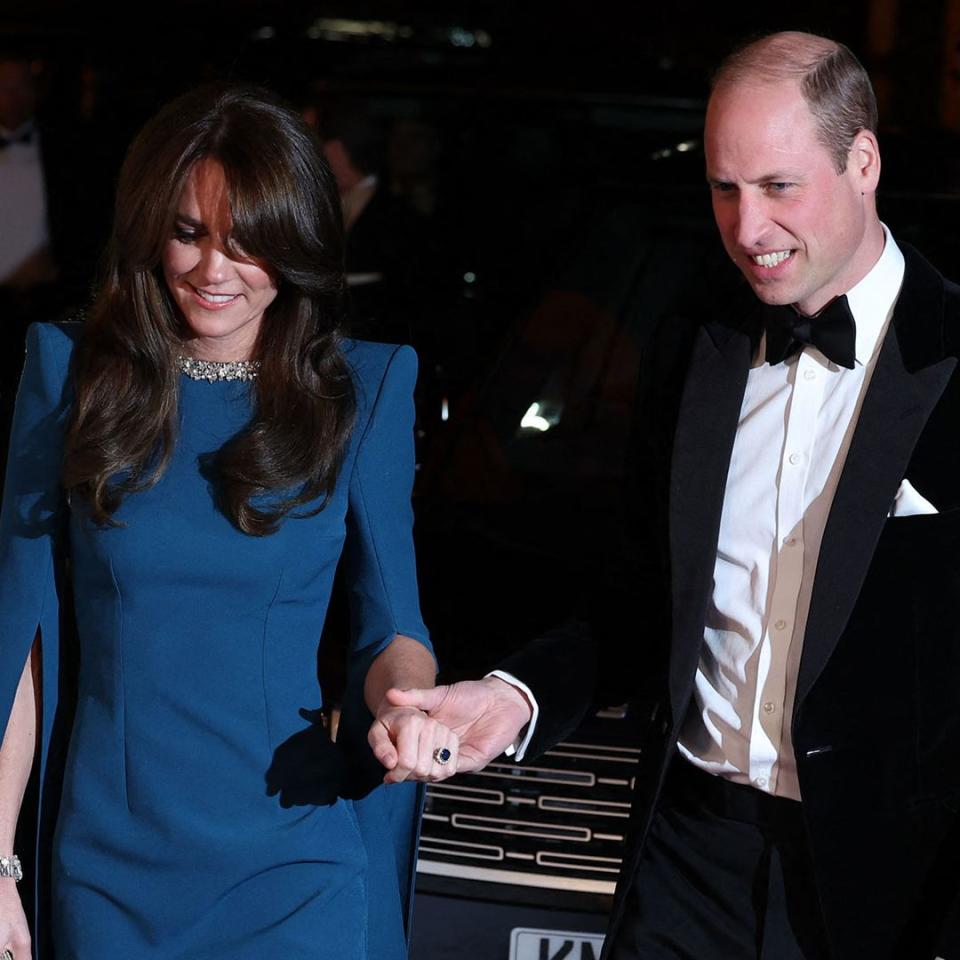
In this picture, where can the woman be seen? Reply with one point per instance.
(203, 450)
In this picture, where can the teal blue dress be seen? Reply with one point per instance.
(197, 664)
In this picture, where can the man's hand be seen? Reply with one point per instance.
(411, 745)
(486, 716)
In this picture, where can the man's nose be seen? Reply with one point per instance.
(752, 222)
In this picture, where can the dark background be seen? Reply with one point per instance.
(552, 152)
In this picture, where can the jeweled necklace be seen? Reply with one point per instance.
(214, 370)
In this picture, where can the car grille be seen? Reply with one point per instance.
(559, 822)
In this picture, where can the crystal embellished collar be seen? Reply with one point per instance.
(214, 370)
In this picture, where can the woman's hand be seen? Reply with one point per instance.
(411, 745)
(487, 715)
(14, 933)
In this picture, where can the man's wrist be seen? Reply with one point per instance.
(527, 715)
(514, 694)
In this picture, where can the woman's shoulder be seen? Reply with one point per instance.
(57, 340)
(50, 347)
(384, 375)
(371, 362)
(368, 358)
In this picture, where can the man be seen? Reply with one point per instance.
(26, 260)
(790, 587)
(56, 188)
(387, 249)
(25, 257)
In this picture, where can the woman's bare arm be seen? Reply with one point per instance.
(16, 759)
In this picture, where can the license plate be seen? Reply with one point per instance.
(527, 944)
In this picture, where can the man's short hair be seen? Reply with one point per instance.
(832, 80)
(364, 135)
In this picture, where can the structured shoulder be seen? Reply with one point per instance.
(951, 298)
(927, 316)
(57, 339)
(370, 361)
(374, 365)
(50, 348)
(52, 345)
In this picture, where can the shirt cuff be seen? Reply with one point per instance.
(519, 746)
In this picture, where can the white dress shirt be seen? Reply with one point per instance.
(355, 200)
(796, 422)
(23, 205)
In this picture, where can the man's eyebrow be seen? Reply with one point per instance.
(775, 176)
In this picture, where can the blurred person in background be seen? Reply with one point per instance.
(56, 174)
(202, 450)
(25, 255)
(26, 260)
(390, 259)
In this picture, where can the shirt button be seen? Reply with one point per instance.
(780, 624)
(809, 374)
(761, 781)
(794, 458)
(769, 707)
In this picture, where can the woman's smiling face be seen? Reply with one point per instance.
(222, 299)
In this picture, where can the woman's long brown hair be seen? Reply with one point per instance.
(286, 215)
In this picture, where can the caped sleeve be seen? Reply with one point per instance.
(381, 579)
(31, 555)
(33, 507)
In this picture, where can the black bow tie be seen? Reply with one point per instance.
(832, 331)
(24, 136)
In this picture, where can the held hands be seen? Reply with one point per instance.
(476, 720)
(411, 745)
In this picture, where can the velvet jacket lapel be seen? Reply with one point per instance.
(706, 427)
(909, 378)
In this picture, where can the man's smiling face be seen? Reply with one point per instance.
(798, 230)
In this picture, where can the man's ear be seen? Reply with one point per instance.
(863, 161)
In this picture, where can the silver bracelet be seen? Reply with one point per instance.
(10, 868)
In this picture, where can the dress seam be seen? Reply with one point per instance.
(373, 406)
(363, 502)
(388, 602)
(122, 684)
(263, 664)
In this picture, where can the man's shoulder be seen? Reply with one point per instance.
(718, 313)
(930, 298)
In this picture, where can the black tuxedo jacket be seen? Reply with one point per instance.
(390, 239)
(79, 172)
(876, 725)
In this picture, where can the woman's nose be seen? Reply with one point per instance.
(213, 266)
